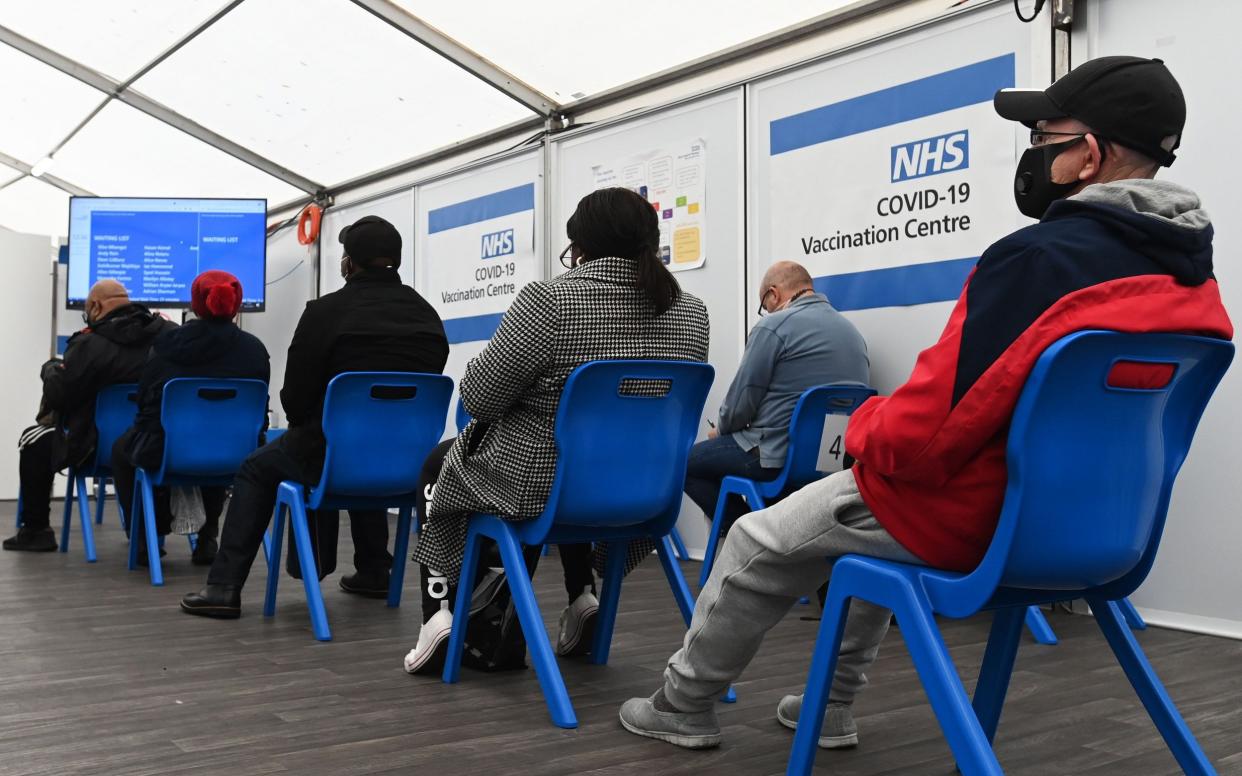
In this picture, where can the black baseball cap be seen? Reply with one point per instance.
(1132, 101)
(370, 238)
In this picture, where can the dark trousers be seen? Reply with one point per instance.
(710, 462)
(575, 558)
(38, 462)
(254, 498)
(127, 456)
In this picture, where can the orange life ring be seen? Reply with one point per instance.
(309, 219)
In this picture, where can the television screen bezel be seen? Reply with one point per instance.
(246, 308)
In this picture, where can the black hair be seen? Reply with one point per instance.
(619, 222)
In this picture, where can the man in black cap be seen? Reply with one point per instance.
(374, 323)
(1114, 249)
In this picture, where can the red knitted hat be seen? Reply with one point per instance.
(215, 294)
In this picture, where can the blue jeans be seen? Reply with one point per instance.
(710, 462)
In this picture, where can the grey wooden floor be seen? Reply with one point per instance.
(102, 675)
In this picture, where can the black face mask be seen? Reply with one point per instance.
(1033, 188)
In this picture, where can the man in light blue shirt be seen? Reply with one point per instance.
(799, 342)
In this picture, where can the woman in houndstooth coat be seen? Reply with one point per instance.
(617, 302)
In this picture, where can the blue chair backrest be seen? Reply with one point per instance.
(210, 425)
(1091, 462)
(806, 428)
(380, 426)
(463, 417)
(623, 435)
(115, 408)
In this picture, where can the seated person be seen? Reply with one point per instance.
(210, 346)
(1114, 249)
(800, 342)
(374, 324)
(111, 349)
(618, 301)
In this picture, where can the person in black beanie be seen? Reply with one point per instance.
(374, 323)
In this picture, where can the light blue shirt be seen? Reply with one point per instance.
(808, 343)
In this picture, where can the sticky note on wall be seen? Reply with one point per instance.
(687, 246)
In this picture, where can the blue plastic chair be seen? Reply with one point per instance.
(806, 428)
(1043, 633)
(379, 427)
(1091, 467)
(620, 469)
(115, 408)
(210, 426)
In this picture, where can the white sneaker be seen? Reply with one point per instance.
(578, 625)
(428, 656)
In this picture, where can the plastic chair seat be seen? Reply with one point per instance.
(379, 427)
(605, 437)
(1134, 440)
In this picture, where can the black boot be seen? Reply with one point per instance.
(220, 601)
(368, 584)
(32, 540)
(205, 550)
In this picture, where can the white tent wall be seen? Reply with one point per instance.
(1196, 580)
(290, 284)
(27, 335)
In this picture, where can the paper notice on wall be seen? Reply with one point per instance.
(673, 180)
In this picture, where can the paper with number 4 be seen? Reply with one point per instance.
(832, 444)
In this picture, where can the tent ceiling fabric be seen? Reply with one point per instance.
(571, 49)
(321, 87)
(334, 94)
(124, 152)
(115, 38)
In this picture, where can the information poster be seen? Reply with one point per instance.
(480, 252)
(890, 196)
(673, 180)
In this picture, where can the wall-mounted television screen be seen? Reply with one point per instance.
(156, 247)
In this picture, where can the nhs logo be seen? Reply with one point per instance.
(934, 155)
(497, 244)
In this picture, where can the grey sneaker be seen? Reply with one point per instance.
(838, 731)
(577, 629)
(691, 730)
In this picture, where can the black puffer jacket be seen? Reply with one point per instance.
(111, 351)
(200, 348)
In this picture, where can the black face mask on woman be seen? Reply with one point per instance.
(1033, 187)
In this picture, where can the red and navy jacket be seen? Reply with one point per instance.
(931, 457)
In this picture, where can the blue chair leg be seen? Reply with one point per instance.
(541, 654)
(148, 521)
(84, 515)
(1169, 722)
(997, 667)
(544, 551)
(1039, 627)
(609, 600)
(273, 544)
(944, 689)
(818, 684)
(19, 507)
(461, 608)
(310, 574)
(1131, 614)
(67, 518)
(400, 556)
(713, 537)
(679, 545)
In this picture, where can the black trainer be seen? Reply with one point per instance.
(366, 584)
(32, 540)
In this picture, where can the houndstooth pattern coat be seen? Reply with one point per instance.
(504, 461)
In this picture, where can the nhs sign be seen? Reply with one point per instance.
(497, 244)
(934, 155)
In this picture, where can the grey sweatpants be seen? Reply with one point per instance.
(769, 559)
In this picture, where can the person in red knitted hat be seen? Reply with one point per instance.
(216, 294)
(212, 345)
